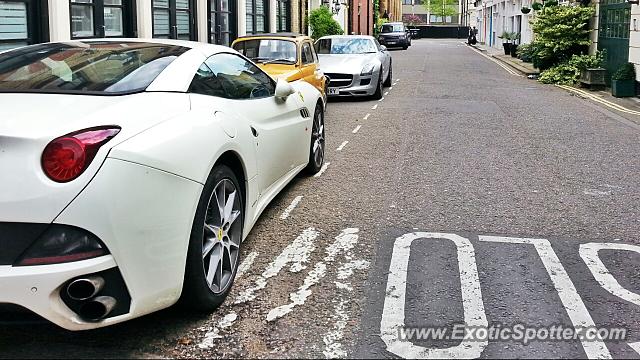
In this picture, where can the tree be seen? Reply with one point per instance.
(322, 23)
(442, 8)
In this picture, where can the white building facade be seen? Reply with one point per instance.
(216, 21)
(493, 17)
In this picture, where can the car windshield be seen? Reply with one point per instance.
(345, 46)
(85, 67)
(268, 50)
(389, 28)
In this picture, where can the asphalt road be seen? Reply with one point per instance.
(461, 161)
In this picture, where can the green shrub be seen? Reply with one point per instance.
(625, 72)
(560, 33)
(322, 23)
(568, 73)
(525, 52)
(536, 6)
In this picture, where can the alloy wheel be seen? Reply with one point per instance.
(222, 236)
(317, 137)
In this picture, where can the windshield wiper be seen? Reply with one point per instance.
(279, 60)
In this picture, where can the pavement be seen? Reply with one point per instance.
(467, 195)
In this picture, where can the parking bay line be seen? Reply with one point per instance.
(355, 131)
(374, 107)
(322, 169)
(381, 99)
(289, 209)
(366, 117)
(344, 143)
(386, 93)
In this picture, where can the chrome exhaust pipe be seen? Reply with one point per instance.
(85, 288)
(97, 309)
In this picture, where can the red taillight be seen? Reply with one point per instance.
(66, 157)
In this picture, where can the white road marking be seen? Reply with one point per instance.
(595, 192)
(393, 314)
(343, 286)
(210, 336)
(381, 99)
(366, 117)
(505, 67)
(289, 209)
(386, 93)
(577, 311)
(589, 253)
(597, 99)
(374, 107)
(343, 242)
(322, 169)
(346, 270)
(246, 264)
(355, 131)
(344, 143)
(635, 346)
(391, 87)
(333, 347)
(297, 253)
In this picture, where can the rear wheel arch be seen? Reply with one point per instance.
(232, 160)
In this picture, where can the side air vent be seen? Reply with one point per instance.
(305, 113)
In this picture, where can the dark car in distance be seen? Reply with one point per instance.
(394, 35)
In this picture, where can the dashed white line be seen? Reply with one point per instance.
(289, 209)
(374, 107)
(343, 242)
(297, 253)
(246, 264)
(386, 93)
(366, 117)
(391, 87)
(635, 346)
(210, 336)
(576, 309)
(355, 131)
(381, 99)
(322, 169)
(344, 143)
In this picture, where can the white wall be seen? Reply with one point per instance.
(634, 40)
(505, 15)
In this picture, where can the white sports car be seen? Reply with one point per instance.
(133, 169)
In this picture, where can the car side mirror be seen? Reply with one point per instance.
(283, 89)
(384, 48)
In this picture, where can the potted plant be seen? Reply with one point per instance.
(525, 10)
(623, 82)
(515, 37)
(506, 42)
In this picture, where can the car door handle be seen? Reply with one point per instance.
(254, 131)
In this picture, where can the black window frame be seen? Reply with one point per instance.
(37, 23)
(129, 19)
(254, 15)
(272, 82)
(313, 57)
(233, 22)
(173, 26)
(286, 4)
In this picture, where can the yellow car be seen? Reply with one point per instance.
(285, 56)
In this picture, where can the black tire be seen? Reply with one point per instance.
(316, 159)
(196, 293)
(389, 79)
(405, 47)
(378, 94)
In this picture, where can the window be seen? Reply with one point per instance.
(222, 21)
(307, 55)
(268, 50)
(232, 77)
(615, 23)
(101, 18)
(98, 67)
(282, 16)
(21, 23)
(345, 45)
(390, 28)
(173, 19)
(257, 16)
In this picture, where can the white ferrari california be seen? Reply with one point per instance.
(132, 170)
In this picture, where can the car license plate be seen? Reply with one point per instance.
(334, 91)
(392, 42)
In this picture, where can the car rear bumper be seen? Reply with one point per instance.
(394, 43)
(144, 218)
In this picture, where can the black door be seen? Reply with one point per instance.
(174, 19)
(23, 22)
(102, 18)
(222, 22)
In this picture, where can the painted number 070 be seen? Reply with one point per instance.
(473, 306)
